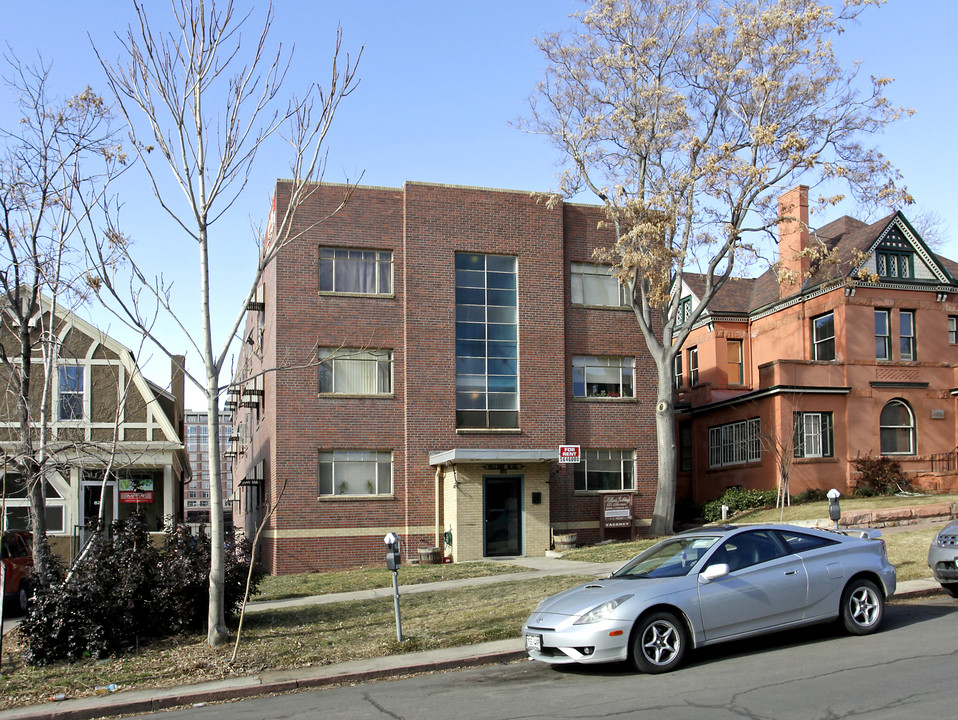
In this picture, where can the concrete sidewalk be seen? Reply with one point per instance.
(151, 700)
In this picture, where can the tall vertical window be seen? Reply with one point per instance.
(685, 310)
(736, 364)
(71, 392)
(693, 367)
(487, 342)
(897, 429)
(365, 272)
(823, 337)
(355, 372)
(677, 375)
(882, 335)
(813, 434)
(953, 330)
(602, 376)
(906, 323)
(596, 285)
(605, 470)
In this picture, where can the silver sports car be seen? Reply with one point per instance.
(711, 585)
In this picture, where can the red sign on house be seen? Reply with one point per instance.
(570, 453)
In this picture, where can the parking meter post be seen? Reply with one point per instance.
(834, 510)
(396, 603)
(393, 561)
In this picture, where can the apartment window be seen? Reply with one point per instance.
(813, 435)
(605, 470)
(894, 265)
(16, 505)
(736, 365)
(677, 375)
(365, 272)
(882, 335)
(355, 472)
(71, 392)
(906, 325)
(599, 377)
(693, 367)
(953, 330)
(897, 429)
(823, 337)
(735, 443)
(596, 285)
(487, 342)
(685, 446)
(355, 372)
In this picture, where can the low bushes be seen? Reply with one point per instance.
(738, 500)
(125, 591)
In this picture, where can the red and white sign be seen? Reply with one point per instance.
(570, 453)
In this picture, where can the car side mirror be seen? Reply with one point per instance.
(714, 572)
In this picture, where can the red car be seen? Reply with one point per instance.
(17, 558)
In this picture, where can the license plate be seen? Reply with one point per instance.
(534, 643)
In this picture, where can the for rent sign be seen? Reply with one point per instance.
(570, 453)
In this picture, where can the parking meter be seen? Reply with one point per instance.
(834, 511)
(393, 556)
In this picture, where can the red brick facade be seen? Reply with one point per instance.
(423, 226)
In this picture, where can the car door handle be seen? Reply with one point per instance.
(791, 572)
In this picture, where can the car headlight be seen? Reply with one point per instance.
(602, 611)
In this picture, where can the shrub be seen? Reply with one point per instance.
(878, 476)
(124, 590)
(738, 500)
(809, 496)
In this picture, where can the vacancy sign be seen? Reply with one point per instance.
(570, 453)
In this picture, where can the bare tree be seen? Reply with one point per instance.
(686, 119)
(55, 166)
(200, 105)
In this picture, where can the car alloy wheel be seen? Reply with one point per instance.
(659, 643)
(862, 607)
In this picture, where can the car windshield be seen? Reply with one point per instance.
(671, 558)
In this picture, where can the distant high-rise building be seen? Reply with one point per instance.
(196, 498)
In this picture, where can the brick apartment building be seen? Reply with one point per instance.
(858, 357)
(413, 364)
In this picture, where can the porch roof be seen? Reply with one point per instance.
(494, 455)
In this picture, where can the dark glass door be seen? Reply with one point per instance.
(503, 516)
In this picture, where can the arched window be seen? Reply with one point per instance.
(897, 428)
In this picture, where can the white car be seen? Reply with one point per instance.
(711, 585)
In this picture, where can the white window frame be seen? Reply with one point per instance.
(908, 342)
(735, 443)
(953, 329)
(344, 371)
(75, 397)
(814, 435)
(909, 428)
(883, 340)
(819, 342)
(693, 353)
(606, 461)
(739, 363)
(596, 286)
(600, 365)
(355, 473)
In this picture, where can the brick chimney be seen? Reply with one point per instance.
(793, 237)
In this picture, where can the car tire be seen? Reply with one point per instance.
(863, 607)
(950, 588)
(23, 597)
(659, 643)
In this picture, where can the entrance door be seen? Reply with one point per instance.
(91, 506)
(503, 516)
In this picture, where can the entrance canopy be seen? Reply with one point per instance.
(494, 455)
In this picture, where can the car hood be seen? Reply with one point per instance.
(583, 598)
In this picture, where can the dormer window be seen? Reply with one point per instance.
(894, 257)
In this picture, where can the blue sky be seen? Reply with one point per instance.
(442, 83)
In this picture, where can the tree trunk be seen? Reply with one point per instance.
(664, 512)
